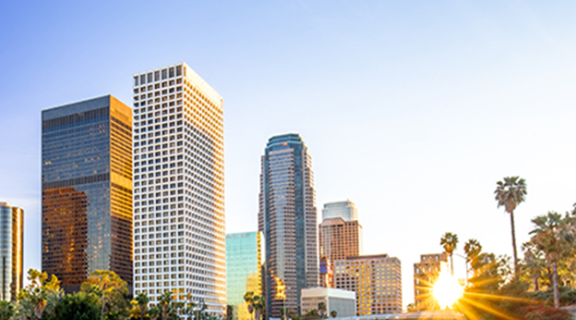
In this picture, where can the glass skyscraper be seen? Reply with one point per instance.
(11, 251)
(244, 262)
(87, 190)
(179, 227)
(340, 209)
(287, 217)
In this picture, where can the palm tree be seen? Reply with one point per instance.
(142, 302)
(510, 193)
(533, 262)
(248, 299)
(472, 248)
(449, 241)
(6, 310)
(259, 306)
(551, 236)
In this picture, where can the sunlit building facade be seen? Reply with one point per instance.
(179, 232)
(87, 190)
(340, 209)
(244, 263)
(377, 281)
(426, 273)
(11, 251)
(287, 217)
(340, 239)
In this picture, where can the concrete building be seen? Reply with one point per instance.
(341, 301)
(340, 238)
(244, 263)
(377, 281)
(426, 273)
(179, 235)
(287, 217)
(340, 209)
(11, 251)
(87, 190)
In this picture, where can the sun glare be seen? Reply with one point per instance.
(447, 290)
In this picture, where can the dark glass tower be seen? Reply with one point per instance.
(87, 190)
(287, 217)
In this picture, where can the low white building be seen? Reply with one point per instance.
(341, 301)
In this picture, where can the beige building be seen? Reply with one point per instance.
(341, 301)
(377, 281)
(340, 239)
(425, 275)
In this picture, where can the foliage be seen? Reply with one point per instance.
(543, 312)
(77, 306)
(333, 313)
(111, 291)
(39, 298)
(6, 310)
(449, 241)
(322, 309)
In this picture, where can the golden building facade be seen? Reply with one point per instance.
(87, 190)
(340, 239)
(426, 273)
(11, 251)
(377, 281)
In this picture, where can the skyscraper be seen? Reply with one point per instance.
(87, 190)
(287, 217)
(244, 262)
(340, 209)
(377, 281)
(11, 251)
(179, 235)
(340, 239)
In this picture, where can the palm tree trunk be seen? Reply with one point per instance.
(514, 245)
(535, 279)
(555, 284)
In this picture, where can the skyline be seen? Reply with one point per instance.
(485, 74)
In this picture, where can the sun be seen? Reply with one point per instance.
(447, 290)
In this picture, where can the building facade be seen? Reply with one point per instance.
(11, 251)
(341, 301)
(326, 273)
(340, 239)
(340, 209)
(426, 273)
(179, 233)
(287, 218)
(377, 281)
(87, 190)
(244, 263)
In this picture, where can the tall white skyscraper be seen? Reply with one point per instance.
(179, 229)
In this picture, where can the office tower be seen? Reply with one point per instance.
(340, 239)
(179, 235)
(377, 281)
(11, 251)
(426, 273)
(87, 190)
(341, 301)
(340, 209)
(244, 263)
(287, 217)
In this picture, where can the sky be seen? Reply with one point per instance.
(411, 109)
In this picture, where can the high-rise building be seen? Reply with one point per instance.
(87, 190)
(426, 273)
(11, 251)
(377, 281)
(179, 235)
(340, 209)
(326, 273)
(244, 263)
(340, 239)
(287, 217)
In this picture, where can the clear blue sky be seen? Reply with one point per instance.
(411, 109)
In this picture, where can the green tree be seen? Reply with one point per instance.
(140, 306)
(111, 291)
(449, 241)
(333, 313)
(6, 310)
(77, 306)
(534, 265)
(322, 309)
(39, 297)
(472, 248)
(167, 307)
(510, 193)
(551, 235)
(188, 308)
(248, 299)
(259, 306)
